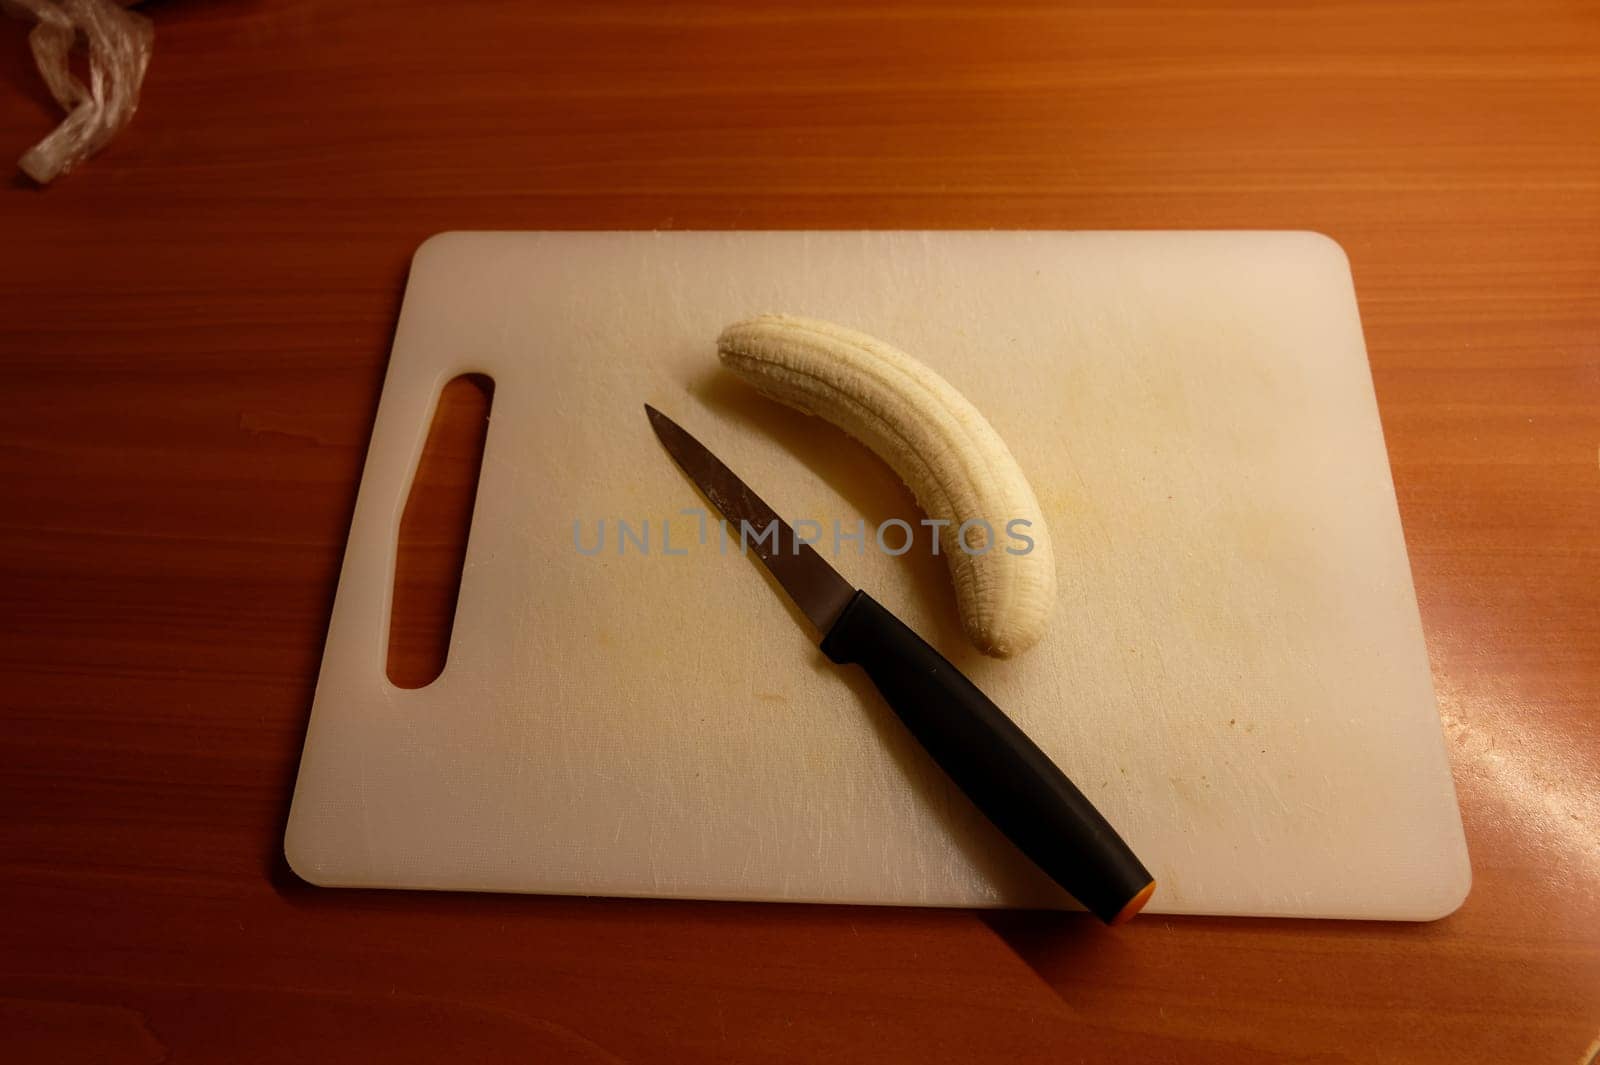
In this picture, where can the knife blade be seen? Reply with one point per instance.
(1005, 774)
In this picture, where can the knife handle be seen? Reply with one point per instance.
(1000, 769)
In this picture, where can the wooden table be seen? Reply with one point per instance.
(193, 329)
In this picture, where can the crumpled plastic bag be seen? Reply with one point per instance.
(118, 43)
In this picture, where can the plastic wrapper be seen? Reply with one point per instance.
(118, 43)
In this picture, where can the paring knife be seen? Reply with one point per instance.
(987, 756)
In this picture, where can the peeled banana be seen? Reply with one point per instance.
(960, 470)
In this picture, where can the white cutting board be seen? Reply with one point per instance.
(1236, 673)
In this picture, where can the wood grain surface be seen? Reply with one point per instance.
(193, 330)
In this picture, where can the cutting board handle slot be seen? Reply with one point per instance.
(431, 546)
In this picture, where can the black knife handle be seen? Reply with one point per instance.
(1001, 770)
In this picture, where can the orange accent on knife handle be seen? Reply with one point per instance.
(1135, 904)
(1002, 771)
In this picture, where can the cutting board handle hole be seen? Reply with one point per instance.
(433, 532)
